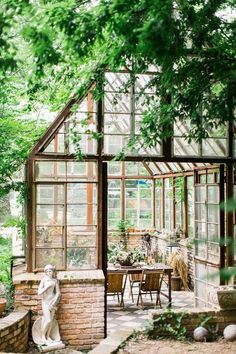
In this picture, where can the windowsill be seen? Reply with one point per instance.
(70, 276)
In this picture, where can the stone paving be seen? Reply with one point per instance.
(132, 316)
(122, 322)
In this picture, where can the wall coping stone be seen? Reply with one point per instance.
(13, 318)
(198, 310)
(78, 276)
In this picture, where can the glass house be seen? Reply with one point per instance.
(74, 205)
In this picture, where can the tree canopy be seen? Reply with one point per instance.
(190, 43)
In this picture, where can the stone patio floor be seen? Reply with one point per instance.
(122, 322)
(132, 316)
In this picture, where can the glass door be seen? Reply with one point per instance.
(208, 231)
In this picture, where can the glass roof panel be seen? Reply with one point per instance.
(116, 82)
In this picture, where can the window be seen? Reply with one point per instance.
(138, 203)
(66, 214)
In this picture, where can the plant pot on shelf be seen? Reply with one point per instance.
(227, 298)
(176, 283)
(2, 305)
(126, 263)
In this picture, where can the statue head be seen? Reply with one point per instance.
(49, 270)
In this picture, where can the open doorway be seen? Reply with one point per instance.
(178, 206)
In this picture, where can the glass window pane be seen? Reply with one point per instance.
(49, 194)
(49, 215)
(49, 236)
(213, 213)
(200, 194)
(200, 210)
(77, 193)
(213, 232)
(50, 256)
(131, 168)
(77, 237)
(213, 194)
(114, 168)
(81, 258)
(57, 145)
(183, 148)
(117, 123)
(77, 214)
(116, 81)
(214, 147)
(116, 102)
(50, 170)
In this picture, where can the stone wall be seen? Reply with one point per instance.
(193, 318)
(81, 308)
(14, 332)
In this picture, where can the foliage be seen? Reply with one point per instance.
(16, 139)
(123, 233)
(19, 222)
(124, 225)
(127, 256)
(6, 285)
(176, 261)
(190, 43)
(166, 324)
(77, 256)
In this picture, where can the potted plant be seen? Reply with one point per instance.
(123, 227)
(125, 256)
(180, 271)
(226, 294)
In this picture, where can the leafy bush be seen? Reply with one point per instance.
(6, 285)
(167, 324)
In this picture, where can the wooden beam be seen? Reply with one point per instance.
(229, 217)
(30, 212)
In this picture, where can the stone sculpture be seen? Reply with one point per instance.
(45, 330)
(230, 333)
(200, 334)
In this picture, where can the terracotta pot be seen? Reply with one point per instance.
(2, 305)
(176, 283)
(227, 298)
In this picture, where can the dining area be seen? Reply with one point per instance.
(135, 284)
(125, 311)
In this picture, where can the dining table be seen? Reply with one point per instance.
(167, 270)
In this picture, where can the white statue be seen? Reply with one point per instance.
(45, 330)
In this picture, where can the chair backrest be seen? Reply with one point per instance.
(136, 276)
(115, 282)
(151, 280)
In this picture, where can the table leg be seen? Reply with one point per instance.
(169, 290)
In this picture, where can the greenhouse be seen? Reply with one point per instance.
(85, 179)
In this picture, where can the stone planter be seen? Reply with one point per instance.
(227, 298)
(2, 305)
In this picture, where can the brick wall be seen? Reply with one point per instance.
(192, 318)
(81, 308)
(14, 332)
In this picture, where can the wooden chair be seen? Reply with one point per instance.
(116, 285)
(134, 279)
(151, 282)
